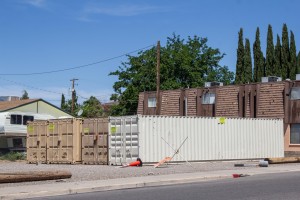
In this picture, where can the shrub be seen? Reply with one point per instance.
(13, 156)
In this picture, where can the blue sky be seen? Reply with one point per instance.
(46, 35)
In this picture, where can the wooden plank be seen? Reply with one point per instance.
(283, 160)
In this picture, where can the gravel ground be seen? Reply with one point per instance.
(103, 172)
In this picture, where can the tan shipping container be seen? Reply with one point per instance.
(64, 141)
(72, 141)
(94, 141)
(37, 141)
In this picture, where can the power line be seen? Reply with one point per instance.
(98, 97)
(81, 96)
(81, 66)
(28, 86)
(49, 91)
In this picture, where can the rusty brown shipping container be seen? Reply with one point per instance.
(94, 141)
(37, 141)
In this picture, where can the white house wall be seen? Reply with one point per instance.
(32, 108)
(41, 107)
(46, 108)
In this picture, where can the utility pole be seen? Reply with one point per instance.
(73, 93)
(158, 79)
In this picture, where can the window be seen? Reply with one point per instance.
(151, 102)
(208, 98)
(295, 134)
(16, 119)
(27, 118)
(295, 93)
(17, 142)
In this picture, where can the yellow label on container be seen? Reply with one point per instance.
(222, 120)
(86, 130)
(30, 129)
(51, 127)
(113, 130)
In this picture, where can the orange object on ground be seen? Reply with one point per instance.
(166, 159)
(135, 163)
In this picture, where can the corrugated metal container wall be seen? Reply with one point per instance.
(37, 141)
(64, 141)
(207, 138)
(123, 139)
(94, 141)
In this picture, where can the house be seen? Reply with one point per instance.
(269, 99)
(107, 107)
(14, 115)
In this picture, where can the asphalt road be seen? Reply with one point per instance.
(263, 187)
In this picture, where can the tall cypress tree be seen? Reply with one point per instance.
(270, 54)
(277, 66)
(63, 102)
(239, 72)
(298, 63)
(258, 58)
(293, 58)
(285, 53)
(247, 63)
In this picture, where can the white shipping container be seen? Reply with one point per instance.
(153, 138)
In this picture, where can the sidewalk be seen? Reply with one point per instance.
(64, 188)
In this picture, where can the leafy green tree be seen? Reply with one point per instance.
(285, 53)
(270, 54)
(277, 65)
(247, 63)
(239, 72)
(92, 108)
(258, 59)
(293, 58)
(114, 97)
(183, 64)
(298, 63)
(24, 95)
